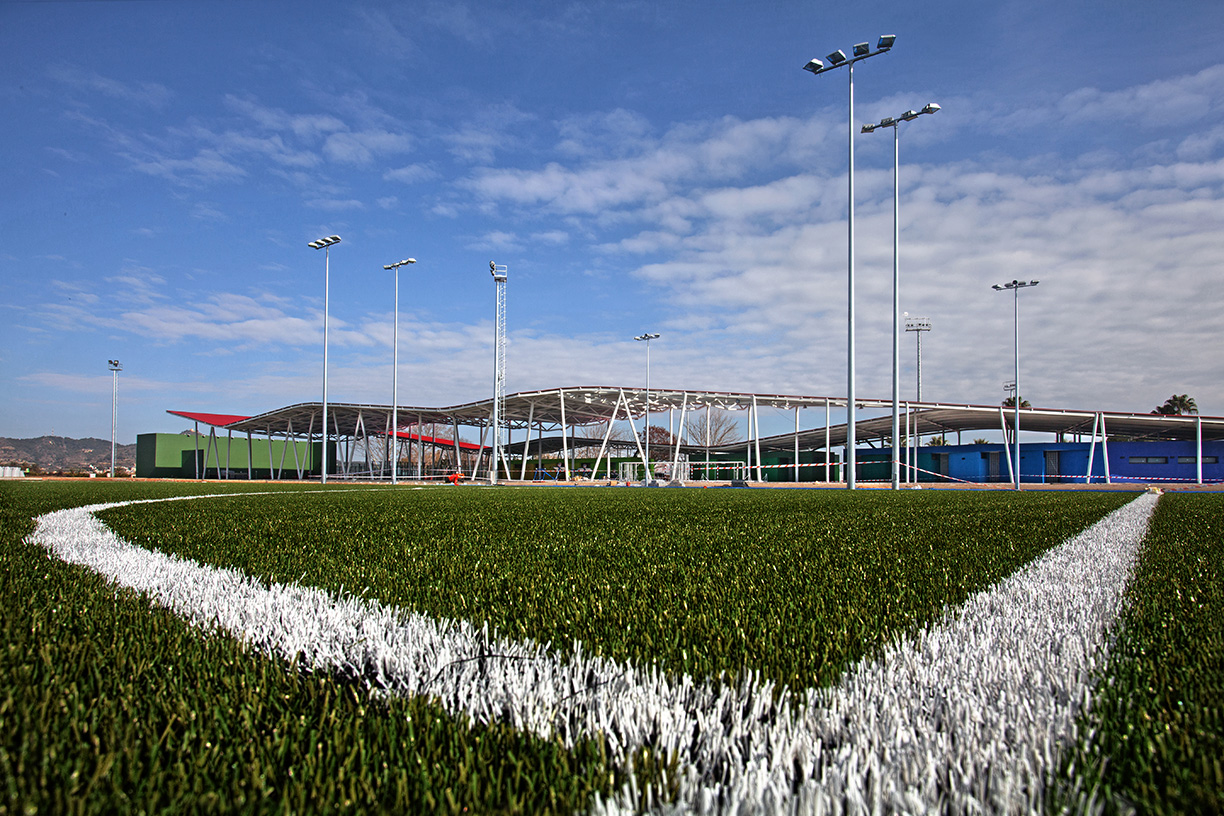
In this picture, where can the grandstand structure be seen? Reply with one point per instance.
(595, 430)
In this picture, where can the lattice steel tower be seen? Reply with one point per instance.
(499, 369)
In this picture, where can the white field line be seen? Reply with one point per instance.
(966, 717)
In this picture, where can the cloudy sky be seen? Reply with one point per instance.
(638, 166)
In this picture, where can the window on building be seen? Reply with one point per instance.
(1149, 460)
(1190, 460)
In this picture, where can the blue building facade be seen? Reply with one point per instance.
(1062, 462)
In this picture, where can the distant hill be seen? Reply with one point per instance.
(58, 454)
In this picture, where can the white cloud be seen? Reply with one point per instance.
(361, 147)
(410, 174)
(152, 94)
(334, 204)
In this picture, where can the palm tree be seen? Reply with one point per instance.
(1010, 402)
(1177, 405)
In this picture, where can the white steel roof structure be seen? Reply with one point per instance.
(586, 405)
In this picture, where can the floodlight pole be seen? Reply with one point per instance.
(499, 273)
(115, 368)
(325, 245)
(1015, 287)
(918, 325)
(395, 370)
(647, 336)
(895, 124)
(838, 58)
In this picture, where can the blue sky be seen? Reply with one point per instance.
(638, 166)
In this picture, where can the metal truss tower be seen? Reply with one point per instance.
(499, 369)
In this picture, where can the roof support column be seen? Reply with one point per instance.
(637, 441)
(197, 449)
(527, 441)
(458, 461)
(250, 451)
(309, 446)
(271, 472)
(1105, 448)
(479, 451)
(709, 416)
(679, 435)
(420, 447)
(565, 462)
(827, 452)
(604, 445)
(756, 436)
(1198, 450)
(796, 445)
(1011, 474)
(1092, 448)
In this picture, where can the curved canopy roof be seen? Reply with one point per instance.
(585, 405)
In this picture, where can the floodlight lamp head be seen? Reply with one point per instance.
(324, 242)
(814, 65)
(837, 57)
(492, 266)
(930, 107)
(868, 128)
(408, 260)
(888, 121)
(886, 41)
(862, 49)
(908, 116)
(998, 288)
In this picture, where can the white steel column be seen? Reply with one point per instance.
(420, 447)
(636, 441)
(565, 462)
(604, 445)
(756, 435)
(1012, 474)
(1092, 447)
(827, 452)
(1198, 450)
(679, 435)
(527, 441)
(1104, 447)
(708, 417)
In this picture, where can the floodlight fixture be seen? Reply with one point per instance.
(1015, 286)
(647, 336)
(861, 51)
(325, 245)
(894, 122)
(394, 452)
(115, 367)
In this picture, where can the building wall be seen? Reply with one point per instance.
(174, 456)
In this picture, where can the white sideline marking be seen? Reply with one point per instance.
(968, 716)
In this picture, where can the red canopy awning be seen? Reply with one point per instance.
(216, 420)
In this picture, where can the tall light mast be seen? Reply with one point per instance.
(499, 367)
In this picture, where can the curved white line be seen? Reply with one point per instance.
(969, 714)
